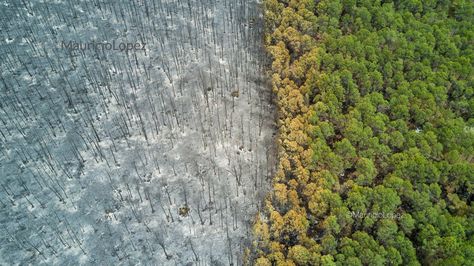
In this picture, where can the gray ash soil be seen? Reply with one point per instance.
(156, 157)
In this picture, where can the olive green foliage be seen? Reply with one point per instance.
(376, 133)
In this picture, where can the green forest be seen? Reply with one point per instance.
(376, 134)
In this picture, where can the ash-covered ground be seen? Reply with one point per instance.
(157, 157)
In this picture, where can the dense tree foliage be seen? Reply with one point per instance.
(376, 133)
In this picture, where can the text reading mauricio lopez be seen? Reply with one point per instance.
(104, 46)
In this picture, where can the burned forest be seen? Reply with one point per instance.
(132, 132)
